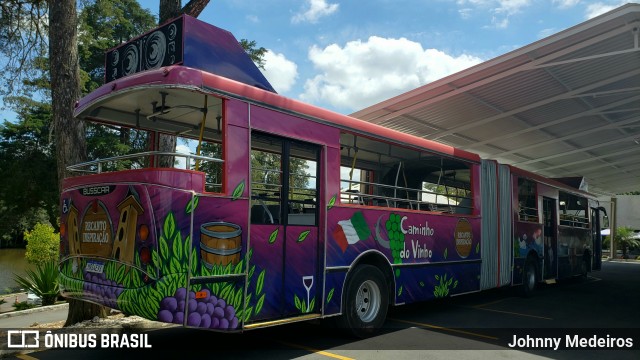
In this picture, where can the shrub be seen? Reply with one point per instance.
(43, 244)
(43, 281)
(23, 305)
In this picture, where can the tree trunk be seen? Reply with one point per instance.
(168, 10)
(65, 91)
(194, 7)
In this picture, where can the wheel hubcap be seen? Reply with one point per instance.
(368, 301)
(531, 278)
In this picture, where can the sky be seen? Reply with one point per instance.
(347, 55)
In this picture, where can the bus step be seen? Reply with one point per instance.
(281, 321)
(550, 281)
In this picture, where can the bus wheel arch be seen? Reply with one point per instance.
(366, 296)
(531, 275)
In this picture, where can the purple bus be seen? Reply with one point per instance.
(277, 211)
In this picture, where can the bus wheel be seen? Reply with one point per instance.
(530, 278)
(365, 302)
(584, 267)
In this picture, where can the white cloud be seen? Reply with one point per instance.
(181, 162)
(363, 73)
(316, 9)
(546, 32)
(499, 10)
(599, 8)
(280, 72)
(565, 4)
(465, 13)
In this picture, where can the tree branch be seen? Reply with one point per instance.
(194, 7)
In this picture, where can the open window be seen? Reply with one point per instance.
(527, 200)
(377, 173)
(284, 181)
(573, 210)
(127, 128)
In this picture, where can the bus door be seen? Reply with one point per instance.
(284, 232)
(596, 238)
(550, 232)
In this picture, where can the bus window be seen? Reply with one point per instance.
(573, 210)
(527, 200)
(266, 180)
(303, 184)
(276, 199)
(211, 169)
(376, 173)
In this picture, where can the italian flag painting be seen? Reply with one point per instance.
(349, 232)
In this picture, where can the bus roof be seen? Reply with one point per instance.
(128, 101)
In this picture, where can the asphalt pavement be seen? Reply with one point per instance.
(26, 318)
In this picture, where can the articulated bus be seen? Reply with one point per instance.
(281, 211)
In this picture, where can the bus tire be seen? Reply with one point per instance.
(365, 301)
(584, 266)
(530, 277)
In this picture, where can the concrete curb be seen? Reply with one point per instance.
(34, 310)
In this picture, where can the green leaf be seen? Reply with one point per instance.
(177, 247)
(238, 268)
(303, 235)
(477, 248)
(437, 277)
(169, 225)
(332, 202)
(187, 245)
(248, 314)
(192, 204)
(237, 192)
(120, 274)
(296, 302)
(422, 283)
(164, 249)
(330, 295)
(273, 236)
(228, 268)
(194, 262)
(259, 304)
(251, 271)
(312, 304)
(400, 290)
(260, 282)
(175, 266)
(455, 284)
(237, 300)
(445, 252)
(226, 290)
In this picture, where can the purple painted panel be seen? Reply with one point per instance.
(527, 237)
(403, 237)
(449, 245)
(130, 246)
(237, 162)
(293, 127)
(267, 244)
(302, 282)
(333, 292)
